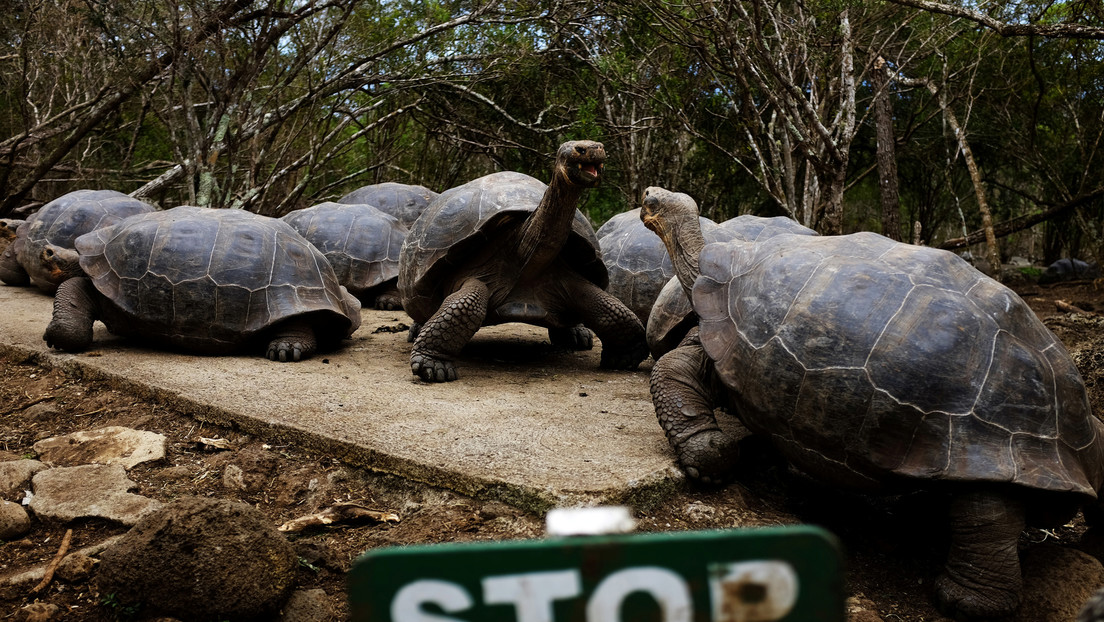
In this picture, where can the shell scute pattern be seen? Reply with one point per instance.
(61, 221)
(362, 243)
(925, 372)
(161, 271)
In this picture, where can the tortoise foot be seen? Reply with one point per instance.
(709, 457)
(432, 369)
(388, 302)
(974, 602)
(572, 338)
(66, 339)
(286, 351)
(624, 358)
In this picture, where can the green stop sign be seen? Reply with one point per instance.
(751, 575)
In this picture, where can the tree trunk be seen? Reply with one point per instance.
(886, 155)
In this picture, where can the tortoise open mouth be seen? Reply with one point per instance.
(590, 171)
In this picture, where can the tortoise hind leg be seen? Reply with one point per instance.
(76, 308)
(293, 340)
(617, 327)
(442, 337)
(981, 579)
(684, 394)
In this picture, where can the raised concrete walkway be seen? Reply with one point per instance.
(525, 424)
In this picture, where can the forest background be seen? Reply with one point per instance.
(970, 125)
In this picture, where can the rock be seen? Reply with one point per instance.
(201, 558)
(76, 567)
(1093, 610)
(308, 606)
(42, 410)
(110, 445)
(90, 491)
(1057, 582)
(14, 521)
(233, 477)
(15, 477)
(38, 612)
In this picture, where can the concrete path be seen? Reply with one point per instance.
(525, 424)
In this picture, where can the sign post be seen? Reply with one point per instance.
(787, 574)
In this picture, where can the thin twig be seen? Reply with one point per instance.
(49, 575)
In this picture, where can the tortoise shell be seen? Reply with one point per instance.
(403, 201)
(209, 280)
(361, 242)
(63, 220)
(472, 216)
(637, 261)
(874, 361)
(671, 316)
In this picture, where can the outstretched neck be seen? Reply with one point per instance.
(684, 244)
(545, 231)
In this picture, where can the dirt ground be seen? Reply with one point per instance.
(893, 547)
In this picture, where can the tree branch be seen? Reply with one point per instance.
(1004, 29)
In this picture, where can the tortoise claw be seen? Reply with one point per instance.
(432, 369)
(285, 351)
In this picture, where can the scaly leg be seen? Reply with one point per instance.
(617, 327)
(981, 579)
(442, 336)
(684, 395)
(76, 309)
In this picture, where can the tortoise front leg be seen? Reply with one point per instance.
(441, 338)
(617, 327)
(981, 579)
(684, 395)
(76, 309)
(293, 340)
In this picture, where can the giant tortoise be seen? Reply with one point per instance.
(203, 280)
(507, 248)
(881, 366)
(403, 201)
(58, 224)
(362, 244)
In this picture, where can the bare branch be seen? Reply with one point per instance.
(1005, 29)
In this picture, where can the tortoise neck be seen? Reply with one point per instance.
(545, 231)
(684, 242)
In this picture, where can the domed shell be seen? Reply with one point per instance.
(208, 280)
(637, 261)
(403, 201)
(361, 242)
(475, 215)
(875, 360)
(61, 221)
(672, 316)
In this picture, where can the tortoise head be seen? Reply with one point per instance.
(580, 162)
(60, 263)
(8, 227)
(665, 212)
